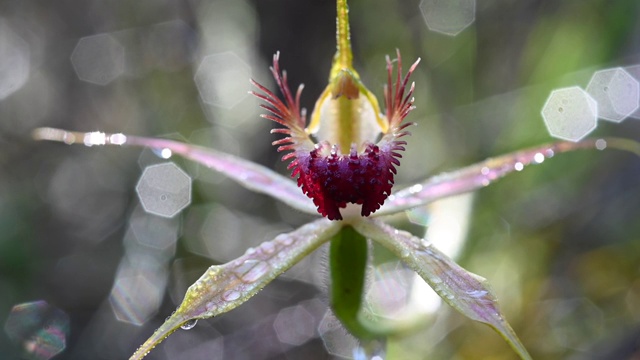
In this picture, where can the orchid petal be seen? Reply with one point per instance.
(248, 174)
(466, 292)
(224, 287)
(484, 173)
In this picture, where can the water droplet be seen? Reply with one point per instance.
(550, 153)
(268, 247)
(211, 306)
(601, 144)
(237, 262)
(285, 240)
(518, 166)
(250, 251)
(538, 158)
(477, 293)
(485, 171)
(165, 153)
(258, 271)
(231, 295)
(189, 324)
(405, 253)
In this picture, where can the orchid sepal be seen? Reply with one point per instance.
(480, 175)
(224, 287)
(466, 292)
(248, 174)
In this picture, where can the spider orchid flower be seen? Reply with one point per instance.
(344, 161)
(346, 165)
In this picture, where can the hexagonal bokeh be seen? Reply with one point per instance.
(573, 323)
(337, 340)
(616, 92)
(135, 299)
(570, 113)
(204, 344)
(634, 70)
(14, 61)
(154, 231)
(448, 17)
(294, 325)
(39, 328)
(164, 189)
(98, 59)
(389, 292)
(223, 79)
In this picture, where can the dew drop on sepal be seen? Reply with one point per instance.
(189, 324)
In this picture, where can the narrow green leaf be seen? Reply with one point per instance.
(479, 175)
(248, 174)
(224, 287)
(468, 293)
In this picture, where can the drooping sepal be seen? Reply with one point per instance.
(466, 292)
(224, 287)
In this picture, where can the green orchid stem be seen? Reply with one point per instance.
(348, 257)
(348, 264)
(343, 37)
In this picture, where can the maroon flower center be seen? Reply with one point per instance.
(335, 180)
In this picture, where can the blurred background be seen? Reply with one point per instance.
(88, 272)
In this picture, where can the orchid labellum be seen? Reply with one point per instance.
(344, 159)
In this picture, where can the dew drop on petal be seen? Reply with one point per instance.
(189, 324)
(165, 153)
(231, 295)
(285, 240)
(256, 272)
(477, 293)
(268, 248)
(211, 306)
(518, 166)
